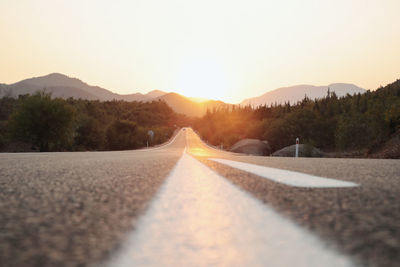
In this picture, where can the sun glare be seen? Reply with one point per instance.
(203, 78)
(225, 50)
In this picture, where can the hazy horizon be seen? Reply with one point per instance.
(223, 50)
(341, 90)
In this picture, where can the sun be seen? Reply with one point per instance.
(203, 78)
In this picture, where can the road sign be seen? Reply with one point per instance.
(150, 134)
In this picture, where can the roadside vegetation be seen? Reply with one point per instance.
(361, 122)
(41, 123)
(353, 122)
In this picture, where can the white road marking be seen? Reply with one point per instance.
(197, 136)
(291, 178)
(165, 144)
(198, 218)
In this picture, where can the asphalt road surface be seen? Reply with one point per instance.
(187, 204)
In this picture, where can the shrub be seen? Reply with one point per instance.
(123, 134)
(43, 122)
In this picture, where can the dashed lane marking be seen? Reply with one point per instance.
(286, 177)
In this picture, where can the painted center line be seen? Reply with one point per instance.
(198, 218)
(286, 177)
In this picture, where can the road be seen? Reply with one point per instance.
(187, 204)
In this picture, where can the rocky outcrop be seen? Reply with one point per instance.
(252, 147)
(304, 151)
(389, 149)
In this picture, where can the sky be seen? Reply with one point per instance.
(220, 49)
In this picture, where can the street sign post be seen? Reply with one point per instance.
(297, 147)
(150, 133)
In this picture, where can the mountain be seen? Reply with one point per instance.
(297, 93)
(64, 87)
(155, 93)
(185, 105)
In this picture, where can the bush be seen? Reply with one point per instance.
(43, 122)
(356, 131)
(89, 134)
(123, 134)
(392, 117)
(3, 133)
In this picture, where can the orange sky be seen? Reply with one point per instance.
(221, 49)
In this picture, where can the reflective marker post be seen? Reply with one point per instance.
(297, 147)
(151, 135)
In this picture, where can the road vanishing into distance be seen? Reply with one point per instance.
(187, 204)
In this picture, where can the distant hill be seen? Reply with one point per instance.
(181, 104)
(64, 87)
(297, 93)
(185, 105)
(155, 93)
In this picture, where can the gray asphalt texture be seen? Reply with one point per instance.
(363, 222)
(73, 209)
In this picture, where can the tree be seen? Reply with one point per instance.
(43, 122)
(123, 134)
(89, 133)
(356, 131)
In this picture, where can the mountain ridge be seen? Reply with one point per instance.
(54, 82)
(296, 93)
(63, 86)
(60, 85)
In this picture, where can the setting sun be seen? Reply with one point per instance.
(203, 77)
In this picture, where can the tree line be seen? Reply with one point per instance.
(352, 122)
(52, 124)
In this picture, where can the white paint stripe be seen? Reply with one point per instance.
(208, 145)
(286, 177)
(163, 145)
(200, 219)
